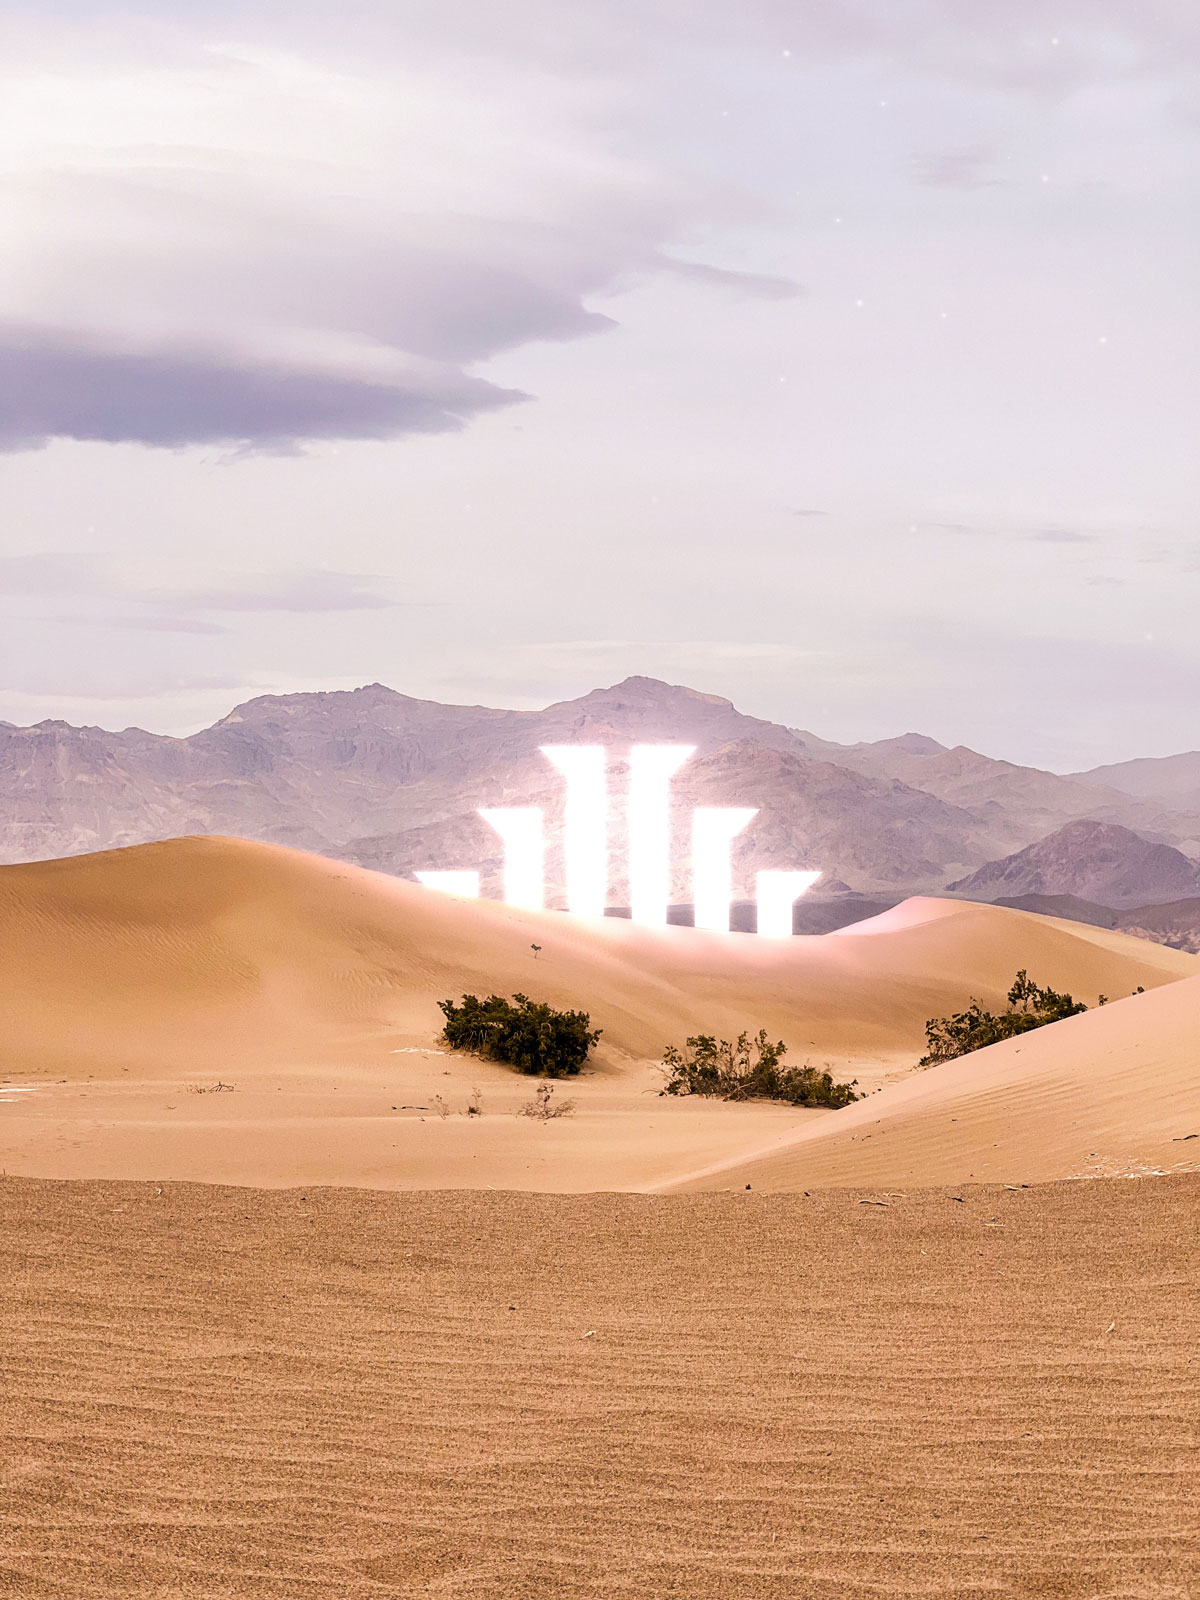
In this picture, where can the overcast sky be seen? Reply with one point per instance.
(839, 356)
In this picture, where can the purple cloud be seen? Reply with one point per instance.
(306, 590)
(52, 386)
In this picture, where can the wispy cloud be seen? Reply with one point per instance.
(969, 167)
(186, 609)
(109, 682)
(755, 283)
(1053, 533)
(1062, 536)
(124, 620)
(311, 590)
(54, 572)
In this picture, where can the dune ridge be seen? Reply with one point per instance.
(259, 948)
(129, 974)
(1112, 1093)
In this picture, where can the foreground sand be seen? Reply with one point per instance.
(130, 978)
(223, 1394)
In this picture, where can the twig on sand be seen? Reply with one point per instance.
(544, 1107)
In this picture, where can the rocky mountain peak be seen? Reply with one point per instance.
(1092, 860)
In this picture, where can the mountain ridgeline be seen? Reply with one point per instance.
(390, 782)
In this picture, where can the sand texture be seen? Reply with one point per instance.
(224, 1394)
(133, 978)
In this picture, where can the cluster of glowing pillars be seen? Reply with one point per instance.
(651, 768)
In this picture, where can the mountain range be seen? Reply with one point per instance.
(384, 780)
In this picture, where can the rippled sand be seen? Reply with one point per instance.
(335, 1394)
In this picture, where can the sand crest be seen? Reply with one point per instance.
(131, 976)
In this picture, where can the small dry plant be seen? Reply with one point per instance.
(440, 1106)
(475, 1104)
(544, 1107)
(210, 1088)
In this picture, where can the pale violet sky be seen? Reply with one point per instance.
(843, 358)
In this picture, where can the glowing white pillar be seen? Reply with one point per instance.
(586, 829)
(650, 770)
(524, 853)
(463, 884)
(777, 893)
(713, 830)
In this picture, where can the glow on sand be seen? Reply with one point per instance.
(464, 884)
(585, 826)
(777, 893)
(714, 829)
(651, 767)
(524, 853)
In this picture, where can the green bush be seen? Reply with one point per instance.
(713, 1066)
(973, 1029)
(522, 1032)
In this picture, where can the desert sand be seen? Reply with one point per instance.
(231, 1394)
(301, 1386)
(134, 978)
(1115, 1092)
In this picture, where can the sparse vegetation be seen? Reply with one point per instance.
(749, 1069)
(526, 1034)
(440, 1106)
(544, 1107)
(1028, 1007)
(210, 1088)
(475, 1104)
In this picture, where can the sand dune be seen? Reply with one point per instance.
(163, 953)
(1115, 1092)
(313, 986)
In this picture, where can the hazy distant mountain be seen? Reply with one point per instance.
(392, 782)
(1093, 861)
(873, 835)
(1016, 800)
(1172, 780)
(1177, 923)
(874, 755)
(882, 753)
(1067, 906)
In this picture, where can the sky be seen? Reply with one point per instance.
(837, 356)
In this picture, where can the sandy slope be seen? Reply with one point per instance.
(226, 1394)
(1114, 1092)
(313, 987)
(161, 954)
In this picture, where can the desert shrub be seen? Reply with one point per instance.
(749, 1069)
(524, 1033)
(1028, 1007)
